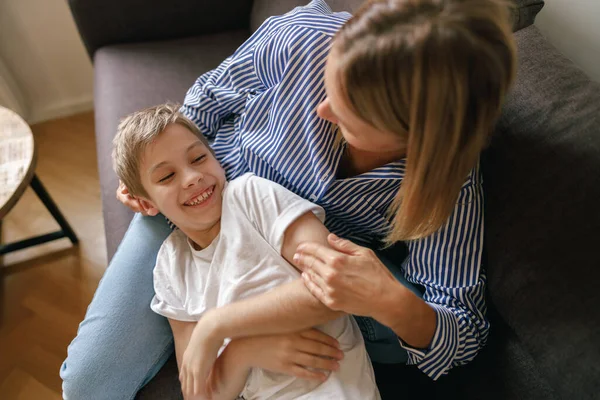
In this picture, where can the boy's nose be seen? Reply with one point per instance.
(192, 178)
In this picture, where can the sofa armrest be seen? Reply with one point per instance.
(105, 22)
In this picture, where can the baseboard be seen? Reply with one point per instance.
(63, 109)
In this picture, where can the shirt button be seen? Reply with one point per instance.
(312, 197)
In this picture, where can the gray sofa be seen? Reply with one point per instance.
(541, 171)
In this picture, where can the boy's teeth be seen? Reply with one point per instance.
(201, 198)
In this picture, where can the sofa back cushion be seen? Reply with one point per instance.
(108, 22)
(542, 217)
(523, 14)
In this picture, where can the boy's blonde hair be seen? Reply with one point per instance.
(136, 132)
(435, 72)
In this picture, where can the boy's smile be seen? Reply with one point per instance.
(184, 182)
(200, 198)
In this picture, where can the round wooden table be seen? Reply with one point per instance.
(17, 159)
(17, 171)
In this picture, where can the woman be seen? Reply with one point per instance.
(381, 124)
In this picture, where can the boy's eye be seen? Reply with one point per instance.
(166, 177)
(198, 158)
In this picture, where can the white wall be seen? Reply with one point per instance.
(11, 95)
(573, 26)
(44, 59)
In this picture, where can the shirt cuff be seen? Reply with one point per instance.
(436, 360)
(288, 216)
(166, 310)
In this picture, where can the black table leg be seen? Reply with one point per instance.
(39, 189)
(66, 230)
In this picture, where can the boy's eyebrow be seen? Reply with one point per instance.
(196, 143)
(160, 164)
(157, 166)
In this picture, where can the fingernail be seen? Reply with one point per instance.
(296, 257)
(334, 237)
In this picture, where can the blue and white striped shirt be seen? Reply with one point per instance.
(259, 107)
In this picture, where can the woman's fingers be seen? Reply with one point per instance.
(316, 362)
(128, 200)
(315, 289)
(321, 351)
(319, 276)
(343, 245)
(306, 261)
(300, 372)
(317, 251)
(318, 336)
(135, 205)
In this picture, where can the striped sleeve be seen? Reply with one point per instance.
(222, 93)
(448, 265)
(292, 46)
(279, 71)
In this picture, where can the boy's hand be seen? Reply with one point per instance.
(198, 360)
(126, 198)
(309, 354)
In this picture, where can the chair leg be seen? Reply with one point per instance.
(41, 192)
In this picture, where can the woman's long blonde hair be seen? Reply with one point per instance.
(435, 72)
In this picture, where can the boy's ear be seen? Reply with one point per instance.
(148, 206)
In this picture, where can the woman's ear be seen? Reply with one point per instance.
(148, 206)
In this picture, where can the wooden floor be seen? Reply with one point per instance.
(44, 291)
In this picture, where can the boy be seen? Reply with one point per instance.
(232, 243)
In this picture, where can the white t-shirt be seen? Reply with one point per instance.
(245, 260)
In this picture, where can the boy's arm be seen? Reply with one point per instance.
(229, 372)
(182, 332)
(228, 376)
(286, 308)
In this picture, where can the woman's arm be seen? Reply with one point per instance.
(454, 283)
(444, 329)
(351, 278)
(273, 55)
(220, 93)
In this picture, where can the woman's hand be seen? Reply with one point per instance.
(346, 277)
(126, 198)
(309, 354)
(289, 354)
